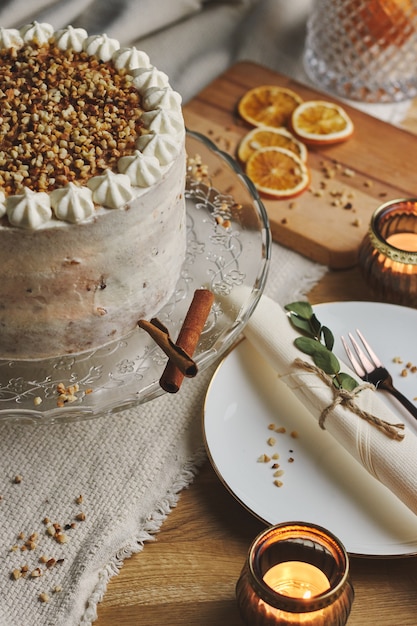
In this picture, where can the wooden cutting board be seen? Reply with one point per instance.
(349, 181)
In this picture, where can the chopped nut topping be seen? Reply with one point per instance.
(67, 113)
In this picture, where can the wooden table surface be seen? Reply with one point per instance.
(187, 576)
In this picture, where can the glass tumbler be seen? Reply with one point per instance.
(364, 50)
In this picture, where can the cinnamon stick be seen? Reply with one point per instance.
(176, 354)
(189, 335)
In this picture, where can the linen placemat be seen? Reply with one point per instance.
(123, 473)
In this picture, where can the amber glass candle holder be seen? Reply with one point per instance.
(388, 253)
(295, 573)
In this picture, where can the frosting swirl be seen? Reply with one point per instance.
(2, 203)
(163, 122)
(101, 46)
(31, 209)
(163, 98)
(130, 59)
(70, 37)
(10, 38)
(146, 77)
(72, 203)
(143, 170)
(163, 147)
(37, 32)
(111, 190)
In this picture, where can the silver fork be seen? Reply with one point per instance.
(369, 368)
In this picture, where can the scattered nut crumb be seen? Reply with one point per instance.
(43, 597)
(17, 479)
(66, 394)
(264, 458)
(278, 483)
(37, 401)
(271, 441)
(36, 573)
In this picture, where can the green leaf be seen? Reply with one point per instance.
(318, 341)
(326, 361)
(308, 345)
(302, 309)
(328, 337)
(301, 324)
(315, 326)
(345, 381)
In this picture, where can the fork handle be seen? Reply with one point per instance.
(412, 408)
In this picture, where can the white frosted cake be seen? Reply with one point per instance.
(92, 173)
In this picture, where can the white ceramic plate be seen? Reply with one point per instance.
(322, 484)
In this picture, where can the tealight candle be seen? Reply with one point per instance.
(297, 579)
(388, 253)
(295, 573)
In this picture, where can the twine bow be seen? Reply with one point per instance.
(346, 398)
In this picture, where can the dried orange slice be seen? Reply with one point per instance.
(278, 172)
(267, 137)
(321, 122)
(268, 105)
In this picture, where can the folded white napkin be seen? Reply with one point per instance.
(392, 462)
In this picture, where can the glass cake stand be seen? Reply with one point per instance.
(228, 246)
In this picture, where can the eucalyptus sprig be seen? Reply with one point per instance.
(318, 341)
